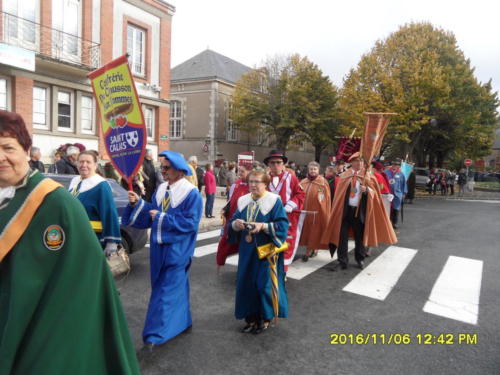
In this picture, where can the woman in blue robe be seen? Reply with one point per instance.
(94, 193)
(260, 219)
(173, 216)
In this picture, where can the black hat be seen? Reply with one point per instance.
(396, 162)
(276, 154)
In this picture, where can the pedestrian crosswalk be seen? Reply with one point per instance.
(378, 279)
(454, 295)
(456, 292)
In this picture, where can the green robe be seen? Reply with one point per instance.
(59, 309)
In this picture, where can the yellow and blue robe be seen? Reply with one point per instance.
(96, 197)
(172, 243)
(399, 189)
(253, 286)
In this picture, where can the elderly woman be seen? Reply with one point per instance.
(93, 191)
(59, 309)
(173, 216)
(237, 190)
(260, 219)
(317, 200)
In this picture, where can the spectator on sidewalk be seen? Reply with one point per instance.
(231, 177)
(35, 163)
(222, 175)
(149, 170)
(443, 178)
(462, 181)
(210, 190)
(450, 180)
(193, 163)
(67, 164)
(200, 174)
(53, 167)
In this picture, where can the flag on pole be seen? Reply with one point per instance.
(375, 127)
(121, 116)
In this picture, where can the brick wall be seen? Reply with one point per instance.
(106, 28)
(165, 48)
(22, 99)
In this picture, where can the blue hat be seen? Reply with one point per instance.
(177, 161)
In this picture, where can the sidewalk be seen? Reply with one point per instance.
(475, 195)
(215, 223)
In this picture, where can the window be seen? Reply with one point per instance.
(149, 120)
(175, 119)
(40, 105)
(20, 21)
(3, 93)
(231, 129)
(65, 19)
(64, 111)
(87, 115)
(136, 44)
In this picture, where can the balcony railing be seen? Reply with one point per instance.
(48, 42)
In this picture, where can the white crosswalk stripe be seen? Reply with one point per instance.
(455, 294)
(378, 279)
(201, 251)
(298, 269)
(207, 235)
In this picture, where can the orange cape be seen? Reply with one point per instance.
(378, 228)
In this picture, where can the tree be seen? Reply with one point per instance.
(259, 102)
(420, 73)
(287, 97)
(313, 104)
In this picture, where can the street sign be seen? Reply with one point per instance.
(467, 162)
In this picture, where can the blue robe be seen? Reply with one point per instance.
(397, 182)
(253, 288)
(97, 198)
(172, 243)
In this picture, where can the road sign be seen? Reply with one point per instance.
(467, 162)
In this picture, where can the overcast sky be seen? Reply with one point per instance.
(333, 34)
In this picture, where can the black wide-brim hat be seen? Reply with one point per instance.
(274, 154)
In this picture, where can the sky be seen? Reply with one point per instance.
(333, 34)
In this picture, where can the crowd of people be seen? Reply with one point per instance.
(270, 212)
(444, 181)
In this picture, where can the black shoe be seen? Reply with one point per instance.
(361, 264)
(394, 226)
(343, 266)
(261, 328)
(250, 327)
(305, 258)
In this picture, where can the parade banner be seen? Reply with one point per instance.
(121, 116)
(347, 147)
(406, 169)
(245, 158)
(375, 127)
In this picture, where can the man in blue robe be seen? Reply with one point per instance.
(173, 216)
(265, 213)
(397, 183)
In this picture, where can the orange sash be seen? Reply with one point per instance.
(18, 224)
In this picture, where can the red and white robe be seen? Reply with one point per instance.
(287, 186)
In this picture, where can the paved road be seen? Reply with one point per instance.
(446, 261)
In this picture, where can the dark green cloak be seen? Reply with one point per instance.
(59, 309)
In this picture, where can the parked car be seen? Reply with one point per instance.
(421, 177)
(133, 239)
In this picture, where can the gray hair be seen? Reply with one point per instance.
(313, 164)
(34, 150)
(193, 158)
(72, 150)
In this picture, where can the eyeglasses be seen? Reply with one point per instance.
(253, 182)
(276, 162)
(165, 167)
